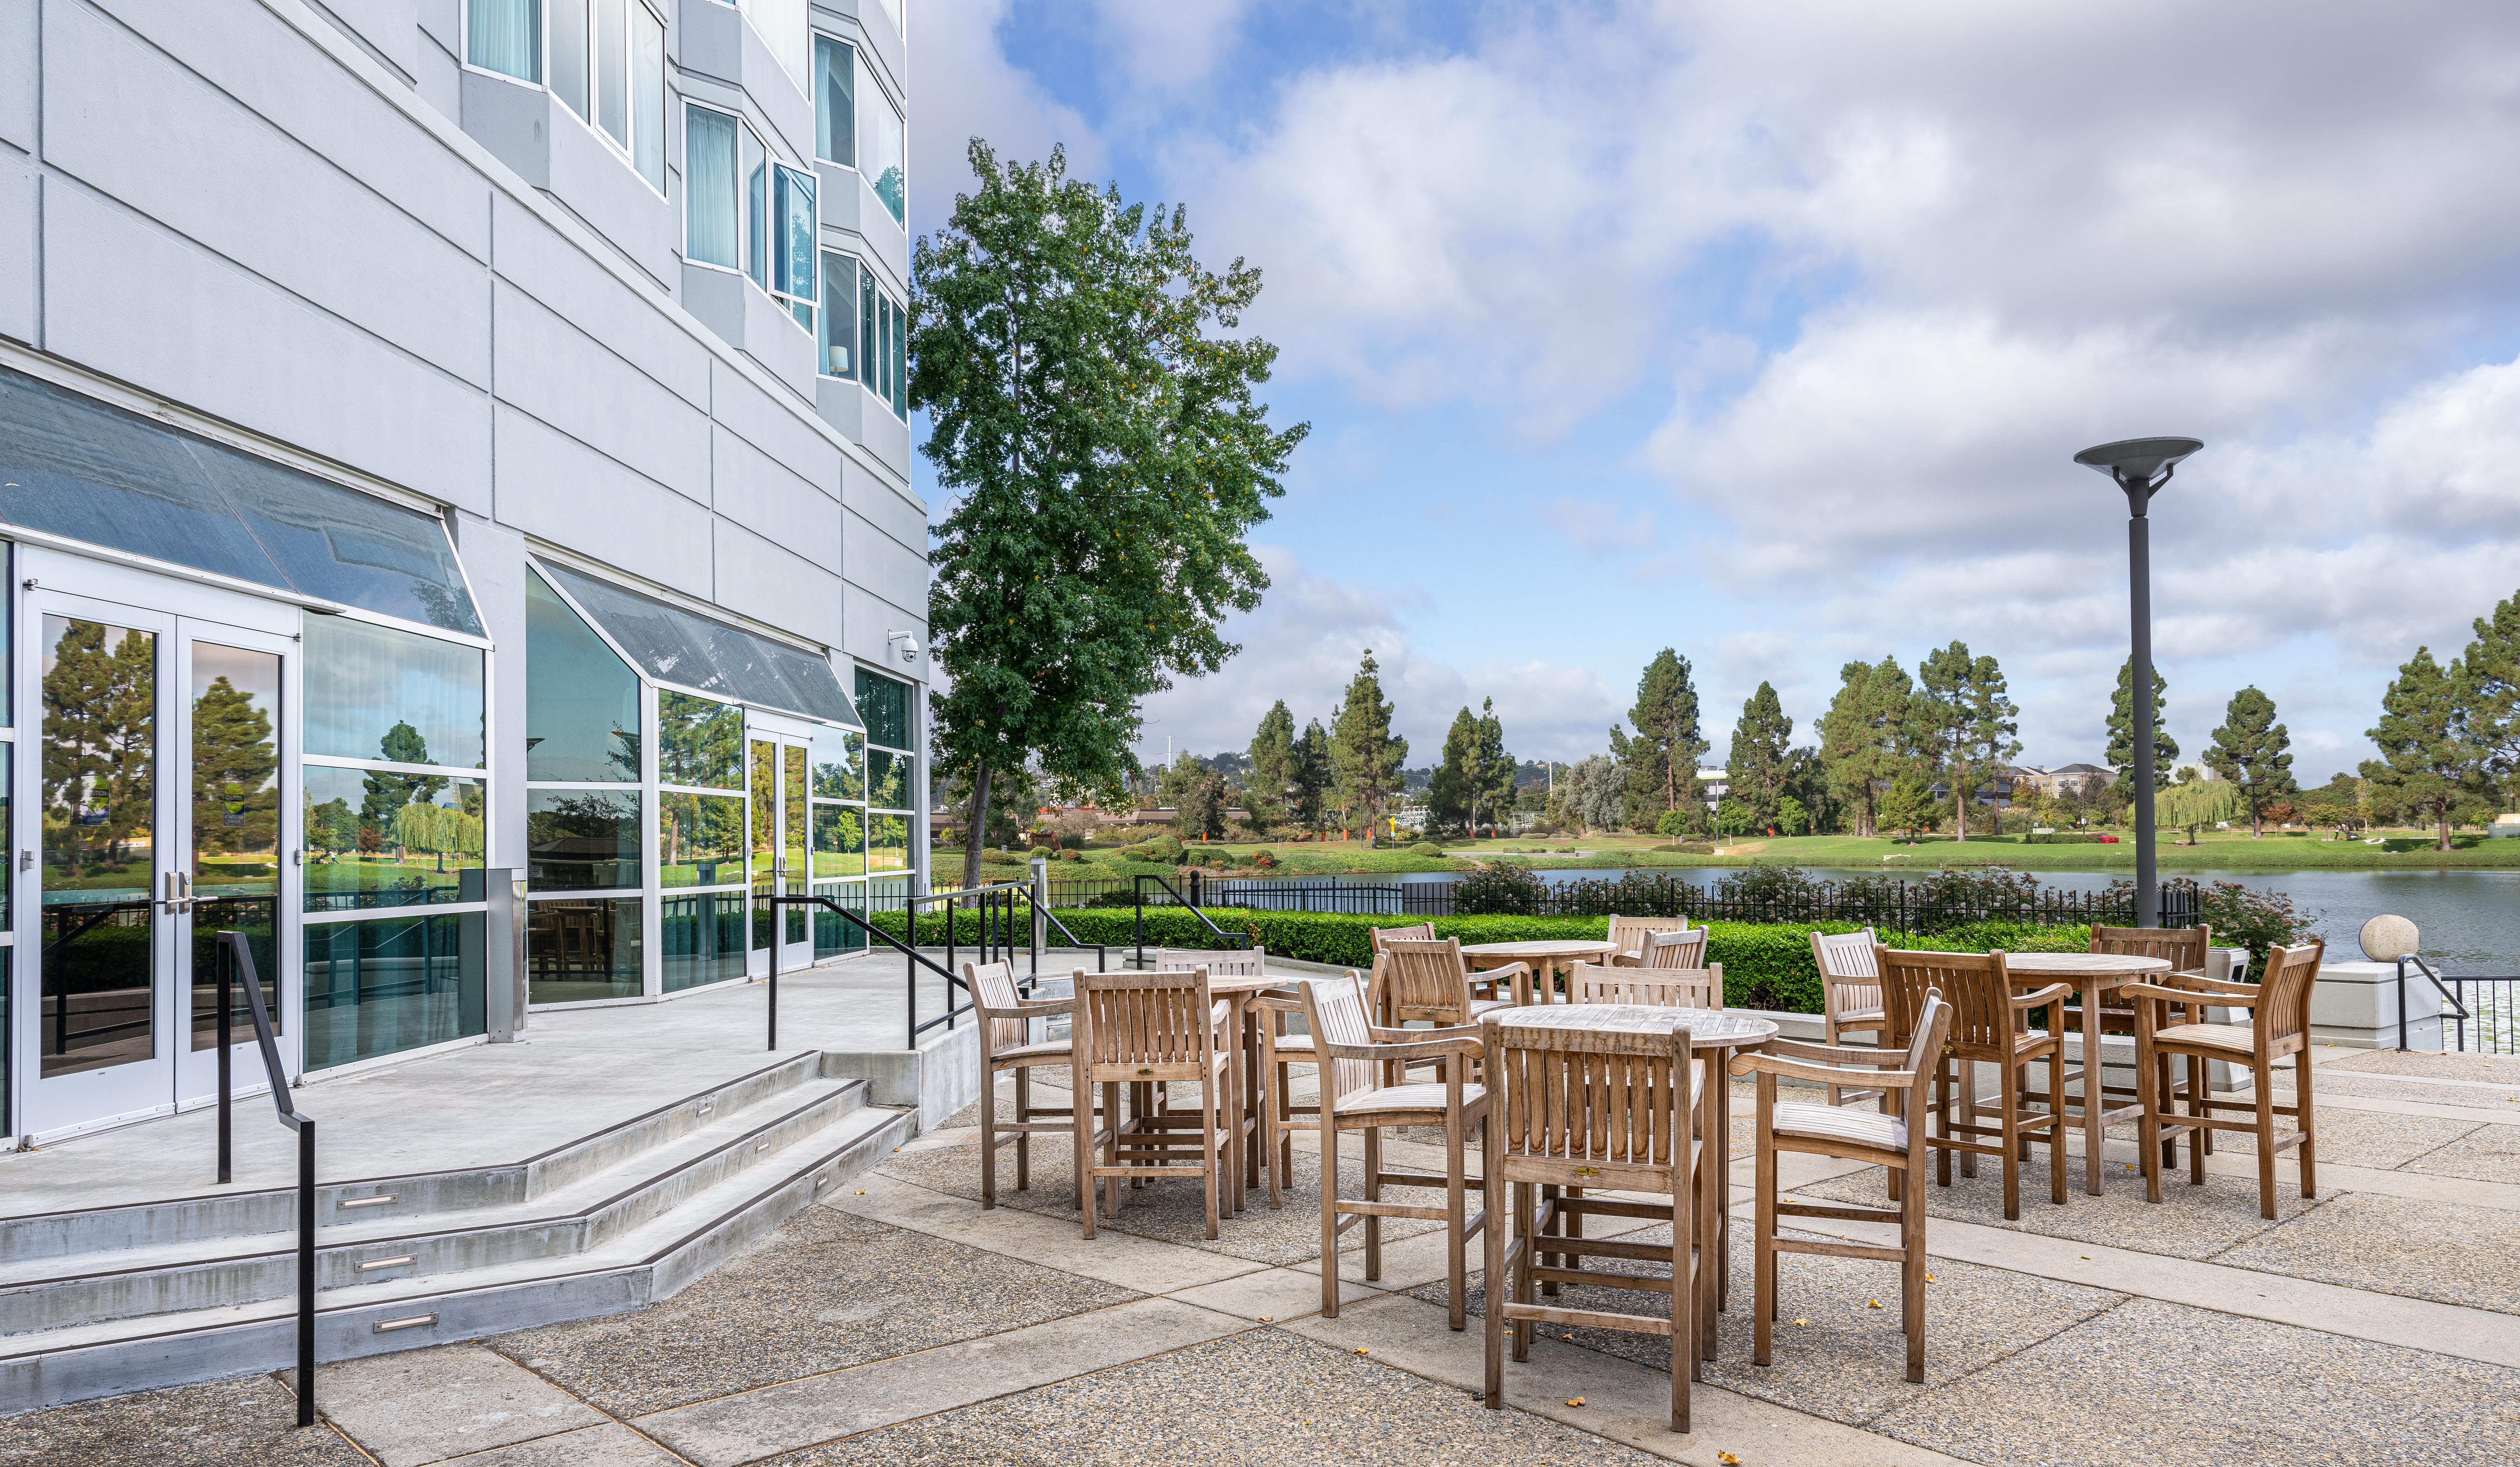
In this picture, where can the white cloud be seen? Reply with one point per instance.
(963, 87)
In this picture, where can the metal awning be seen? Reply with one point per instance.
(689, 650)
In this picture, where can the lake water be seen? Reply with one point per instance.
(2470, 919)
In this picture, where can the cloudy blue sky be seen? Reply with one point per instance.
(1767, 331)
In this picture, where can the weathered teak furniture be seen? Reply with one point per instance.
(2095, 976)
(1676, 948)
(1236, 975)
(1629, 932)
(1375, 937)
(1653, 988)
(2278, 1025)
(1894, 1138)
(1543, 958)
(1988, 1027)
(1141, 1029)
(1006, 1043)
(1583, 1103)
(1849, 994)
(1281, 1050)
(2185, 949)
(1221, 962)
(1427, 979)
(1354, 1058)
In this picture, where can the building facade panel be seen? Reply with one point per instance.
(553, 370)
(389, 28)
(19, 210)
(764, 496)
(759, 577)
(21, 43)
(892, 508)
(556, 489)
(533, 257)
(770, 425)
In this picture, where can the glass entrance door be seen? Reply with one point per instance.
(157, 783)
(782, 813)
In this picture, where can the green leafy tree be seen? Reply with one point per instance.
(1315, 769)
(1793, 817)
(1661, 757)
(1452, 793)
(1496, 766)
(1104, 460)
(1197, 796)
(2430, 762)
(1365, 754)
(2121, 751)
(1755, 771)
(1807, 786)
(1907, 805)
(1967, 721)
(1673, 824)
(2493, 662)
(2254, 754)
(1266, 788)
(387, 793)
(1864, 737)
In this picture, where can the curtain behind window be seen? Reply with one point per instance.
(708, 186)
(835, 101)
(839, 315)
(505, 36)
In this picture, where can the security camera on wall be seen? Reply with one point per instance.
(908, 642)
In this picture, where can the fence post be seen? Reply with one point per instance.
(226, 966)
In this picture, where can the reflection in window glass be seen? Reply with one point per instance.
(100, 760)
(384, 986)
(648, 95)
(581, 699)
(839, 329)
(754, 165)
(839, 840)
(835, 101)
(703, 938)
(700, 839)
(375, 693)
(884, 704)
(698, 741)
(380, 839)
(235, 826)
(581, 839)
(837, 765)
(581, 950)
(834, 936)
(879, 151)
(888, 782)
(888, 843)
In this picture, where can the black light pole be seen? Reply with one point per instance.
(2141, 466)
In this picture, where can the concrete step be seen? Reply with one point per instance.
(251, 1212)
(52, 1293)
(648, 1262)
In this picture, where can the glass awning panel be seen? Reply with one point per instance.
(674, 645)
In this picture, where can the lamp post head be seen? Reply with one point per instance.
(2133, 464)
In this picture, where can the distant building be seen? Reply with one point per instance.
(2064, 779)
(1713, 783)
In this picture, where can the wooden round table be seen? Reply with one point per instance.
(2091, 974)
(1547, 956)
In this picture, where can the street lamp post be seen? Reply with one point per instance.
(2141, 466)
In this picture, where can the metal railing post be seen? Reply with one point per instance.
(226, 966)
(2402, 1005)
(306, 1268)
(777, 931)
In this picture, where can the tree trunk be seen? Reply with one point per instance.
(1959, 802)
(2445, 844)
(975, 833)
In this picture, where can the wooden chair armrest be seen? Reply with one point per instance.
(1500, 975)
(1383, 1035)
(2204, 984)
(2246, 996)
(2051, 994)
(1273, 1004)
(1442, 1048)
(1033, 1008)
(1624, 961)
(1835, 1054)
(1794, 1069)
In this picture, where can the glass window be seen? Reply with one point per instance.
(583, 948)
(647, 96)
(570, 38)
(881, 150)
(375, 838)
(831, 935)
(888, 843)
(755, 166)
(581, 699)
(839, 337)
(612, 68)
(884, 704)
(839, 840)
(867, 356)
(839, 756)
(698, 741)
(674, 645)
(888, 780)
(784, 31)
(99, 816)
(897, 371)
(700, 839)
(804, 315)
(703, 938)
(396, 983)
(375, 692)
(581, 839)
(798, 274)
(709, 230)
(835, 101)
(505, 36)
(234, 824)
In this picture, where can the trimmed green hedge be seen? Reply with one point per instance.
(1766, 965)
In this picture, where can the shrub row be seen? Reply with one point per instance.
(1766, 965)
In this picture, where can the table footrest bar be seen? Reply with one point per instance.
(1594, 1318)
(1652, 1252)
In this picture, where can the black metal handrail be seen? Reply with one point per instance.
(2456, 1006)
(995, 936)
(233, 956)
(1137, 887)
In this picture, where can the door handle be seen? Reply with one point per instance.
(179, 893)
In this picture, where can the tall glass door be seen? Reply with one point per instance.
(227, 843)
(780, 779)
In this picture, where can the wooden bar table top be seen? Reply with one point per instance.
(2093, 975)
(1547, 956)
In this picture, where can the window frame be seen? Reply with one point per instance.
(888, 381)
(626, 151)
(814, 41)
(821, 356)
(773, 217)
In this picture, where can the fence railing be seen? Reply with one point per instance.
(235, 957)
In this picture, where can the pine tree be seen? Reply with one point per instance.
(1363, 749)
(1755, 771)
(1454, 790)
(236, 802)
(2252, 752)
(1661, 757)
(2430, 761)
(1496, 766)
(1265, 789)
(2121, 752)
(1968, 720)
(2493, 676)
(1314, 770)
(1864, 738)
(1908, 803)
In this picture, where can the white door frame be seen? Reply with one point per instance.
(785, 734)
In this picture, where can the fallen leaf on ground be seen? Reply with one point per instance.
(1802, 1321)
(1728, 1459)
(1267, 1318)
(1872, 1303)
(1929, 1278)
(1361, 1349)
(1574, 1400)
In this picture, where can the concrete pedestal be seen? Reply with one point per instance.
(2356, 1004)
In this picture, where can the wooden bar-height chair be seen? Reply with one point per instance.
(1668, 950)
(1654, 987)
(1605, 1110)
(1849, 994)
(1355, 1058)
(1629, 932)
(1375, 937)
(1989, 1025)
(2278, 1025)
(1139, 1030)
(2185, 947)
(1428, 979)
(1006, 1043)
(1895, 1140)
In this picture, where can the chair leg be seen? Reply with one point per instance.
(1268, 1142)
(989, 1135)
(1112, 1146)
(1828, 1035)
(1912, 1264)
(1683, 1281)
(1024, 1139)
(2265, 1089)
(1968, 1081)
(2200, 1137)
(1519, 1267)
(1086, 1152)
(2009, 1094)
(1457, 1222)
(2152, 1081)
(1373, 1193)
(1330, 1222)
(1942, 1116)
(1493, 1241)
(1764, 1303)
(2305, 1122)
(2056, 1116)
(1215, 1150)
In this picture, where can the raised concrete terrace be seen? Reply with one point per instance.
(2378, 1324)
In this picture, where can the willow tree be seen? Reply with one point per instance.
(1104, 458)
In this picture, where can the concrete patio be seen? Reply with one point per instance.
(2378, 1324)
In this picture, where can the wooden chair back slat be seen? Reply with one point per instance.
(1221, 962)
(1659, 988)
(1334, 1010)
(1377, 937)
(1975, 984)
(993, 987)
(2284, 1011)
(1846, 966)
(1630, 932)
(2184, 947)
(1422, 979)
(1592, 1095)
(1678, 948)
(1134, 1021)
